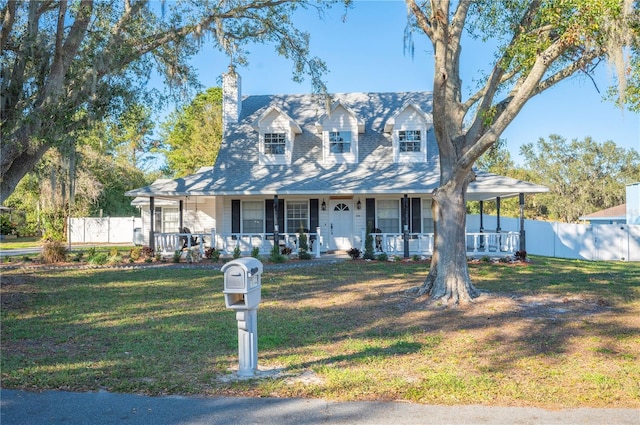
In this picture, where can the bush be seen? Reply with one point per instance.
(147, 252)
(99, 259)
(77, 256)
(354, 253)
(383, 257)
(520, 255)
(135, 253)
(6, 226)
(113, 252)
(303, 251)
(236, 252)
(255, 252)
(275, 256)
(369, 253)
(53, 251)
(212, 254)
(286, 251)
(177, 254)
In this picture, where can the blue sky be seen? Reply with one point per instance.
(364, 53)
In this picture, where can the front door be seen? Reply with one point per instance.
(341, 224)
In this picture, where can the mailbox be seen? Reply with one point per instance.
(242, 283)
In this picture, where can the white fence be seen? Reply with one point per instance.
(103, 230)
(576, 241)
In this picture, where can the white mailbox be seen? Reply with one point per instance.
(242, 283)
(242, 293)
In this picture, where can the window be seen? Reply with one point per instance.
(389, 216)
(274, 143)
(297, 216)
(427, 220)
(340, 141)
(252, 217)
(170, 220)
(409, 140)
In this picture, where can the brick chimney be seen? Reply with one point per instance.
(231, 98)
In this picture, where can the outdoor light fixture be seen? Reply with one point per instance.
(323, 205)
(359, 204)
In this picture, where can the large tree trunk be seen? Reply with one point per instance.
(448, 278)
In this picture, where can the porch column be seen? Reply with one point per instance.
(276, 230)
(152, 211)
(481, 212)
(180, 221)
(405, 225)
(498, 214)
(523, 244)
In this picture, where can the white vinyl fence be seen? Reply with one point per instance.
(104, 230)
(576, 241)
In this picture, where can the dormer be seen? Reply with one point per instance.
(408, 128)
(339, 129)
(276, 133)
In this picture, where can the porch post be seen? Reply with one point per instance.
(152, 211)
(481, 212)
(523, 244)
(405, 225)
(498, 214)
(276, 230)
(180, 221)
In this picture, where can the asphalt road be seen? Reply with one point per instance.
(102, 408)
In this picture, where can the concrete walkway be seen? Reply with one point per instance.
(102, 408)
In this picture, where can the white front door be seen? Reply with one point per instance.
(341, 224)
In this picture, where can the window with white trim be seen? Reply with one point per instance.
(409, 141)
(275, 143)
(427, 219)
(297, 216)
(340, 141)
(170, 220)
(388, 216)
(252, 217)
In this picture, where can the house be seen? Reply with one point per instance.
(292, 162)
(627, 213)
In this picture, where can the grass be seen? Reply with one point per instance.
(19, 243)
(552, 333)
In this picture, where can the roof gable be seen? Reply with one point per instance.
(258, 123)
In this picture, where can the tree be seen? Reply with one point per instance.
(66, 65)
(583, 176)
(192, 136)
(539, 44)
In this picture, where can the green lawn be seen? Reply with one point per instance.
(552, 333)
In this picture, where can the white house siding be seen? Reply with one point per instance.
(410, 119)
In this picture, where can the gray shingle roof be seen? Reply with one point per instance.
(238, 172)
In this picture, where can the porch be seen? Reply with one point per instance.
(500, 244)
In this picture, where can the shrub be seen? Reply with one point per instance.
(99, 259)
(113, 252)
(147, 252)
(369, 253)
(236, 252)
(415, 257)
(303, 251)
(354, 253)
(6, 226)
(397, 258)
(275, 256)
(383, 257)
(255, 252)
(135, 253)
(53, 251)
(77, 256)
(177, 254)
(286, 251)
(485, 259)
(520, 255)
(212, 254)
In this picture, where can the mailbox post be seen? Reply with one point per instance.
(242, 293)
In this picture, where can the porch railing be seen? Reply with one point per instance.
(477, 243)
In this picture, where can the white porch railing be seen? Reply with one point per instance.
(484, 243)
(479, 243)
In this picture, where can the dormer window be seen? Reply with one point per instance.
(408, 128)
(274, 143)
(409, 141)
(340, 130)
(276, 133)
(339, 141)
